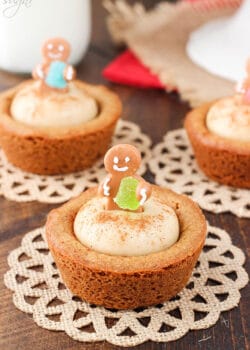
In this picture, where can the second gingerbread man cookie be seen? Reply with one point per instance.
(124, 189)
(54, 72)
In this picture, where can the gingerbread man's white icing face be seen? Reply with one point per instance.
(56, 49)
(122, 160)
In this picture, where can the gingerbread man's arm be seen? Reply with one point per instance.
(143, 191)
(69, 73)
(104, 187)
(39, 72)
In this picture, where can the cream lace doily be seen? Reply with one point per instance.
(174, 166)
(213, 288)
(21, 186)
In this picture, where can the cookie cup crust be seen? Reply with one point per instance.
(126, 282)
(223, 160)
(48, 151)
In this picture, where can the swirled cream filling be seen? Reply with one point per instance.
(230, 118)
(124, 233)
(53, 109)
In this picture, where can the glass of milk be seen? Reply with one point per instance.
(26, 24)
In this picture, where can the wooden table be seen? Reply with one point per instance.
(147, 108)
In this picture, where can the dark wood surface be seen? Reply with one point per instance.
(156, 112)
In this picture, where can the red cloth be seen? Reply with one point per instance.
(128, 70)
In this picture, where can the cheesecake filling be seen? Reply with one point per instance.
(53, 109)
(124, 233)
(230, 118)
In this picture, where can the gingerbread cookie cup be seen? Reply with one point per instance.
(223, 160)
(59, 150)
(124, 282)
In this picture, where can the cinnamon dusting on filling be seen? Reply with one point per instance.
(140, 221)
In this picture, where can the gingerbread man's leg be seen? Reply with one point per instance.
(111, 205)
(47, 89)
(139, 210)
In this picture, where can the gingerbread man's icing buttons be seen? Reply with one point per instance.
(244, 87)
(54, 72)
(122, 187)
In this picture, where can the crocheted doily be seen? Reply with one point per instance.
(21, 186)
(174, 166)
(213, 288)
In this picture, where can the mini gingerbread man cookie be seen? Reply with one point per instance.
(245, 85)
(124, 189)
(54, 72)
